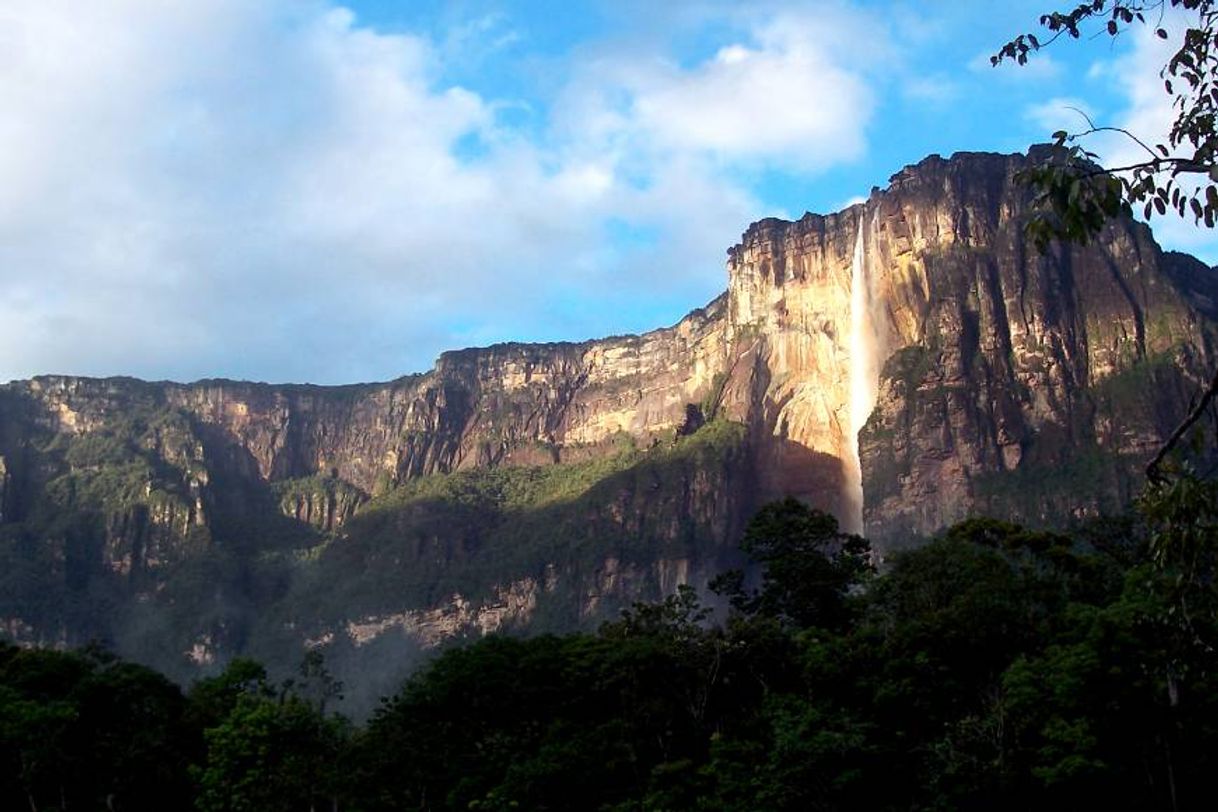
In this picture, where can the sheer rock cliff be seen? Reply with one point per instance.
(546, 485)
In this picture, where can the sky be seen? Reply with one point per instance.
(331, 192)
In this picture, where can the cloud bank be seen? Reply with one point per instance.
(276, 191)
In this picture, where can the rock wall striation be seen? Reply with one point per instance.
(973, 374)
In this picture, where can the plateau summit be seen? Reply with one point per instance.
(903, 363)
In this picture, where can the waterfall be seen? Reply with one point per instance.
(864, 378)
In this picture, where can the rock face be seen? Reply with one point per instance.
(1017, 383)
(549, 484)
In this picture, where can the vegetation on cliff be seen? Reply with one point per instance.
(508, 523)
(571, 542)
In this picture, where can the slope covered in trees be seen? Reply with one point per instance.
(993, 668)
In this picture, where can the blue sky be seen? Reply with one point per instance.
(301, 190)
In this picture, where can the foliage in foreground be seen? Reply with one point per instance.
(993, 668)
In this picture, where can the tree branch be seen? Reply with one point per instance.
(1178, 166)
(1152, 468)
(1094, 129)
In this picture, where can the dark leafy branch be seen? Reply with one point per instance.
(1154, 468)
(1077, 196)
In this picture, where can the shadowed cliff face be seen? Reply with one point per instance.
(1007, 373)
(985, 377)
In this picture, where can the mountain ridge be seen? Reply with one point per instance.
(980, 375)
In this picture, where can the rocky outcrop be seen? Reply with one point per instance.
(322, 502)
(1007, 369)
(902, 363)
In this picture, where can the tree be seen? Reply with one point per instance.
(34, 737)
(808, 567)
(84, 730)
(271, 755)
(269, 747)
(213, 698)
(316, 685)
(1077, 195)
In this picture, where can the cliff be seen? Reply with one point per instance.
(546, 485)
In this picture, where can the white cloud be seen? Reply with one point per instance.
(786, 101)
(1149, 113)
(792, 91)
(216, 187)
(210, 188)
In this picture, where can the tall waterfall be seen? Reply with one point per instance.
(864, 377)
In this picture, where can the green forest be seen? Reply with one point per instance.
(993, 667)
